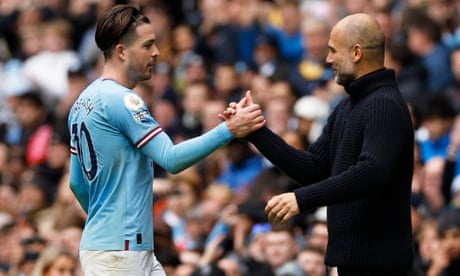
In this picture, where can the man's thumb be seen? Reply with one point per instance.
(249, 100)
(243, 102)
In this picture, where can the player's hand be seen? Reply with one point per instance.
(244, 117)
(281, 208)
(232, 107)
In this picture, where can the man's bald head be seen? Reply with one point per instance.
(356, 47)
(363, 29)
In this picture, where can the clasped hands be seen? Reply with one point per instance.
(243, 117)
(279, 208)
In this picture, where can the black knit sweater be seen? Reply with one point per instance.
(361, 168)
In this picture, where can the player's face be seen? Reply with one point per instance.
(143, 53)
(339, 57)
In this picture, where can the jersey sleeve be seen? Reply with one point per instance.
(77, 181)
(175, 158)
(133, 118)
(129, 114)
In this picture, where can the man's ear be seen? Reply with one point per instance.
(356, 53)
(119, 51)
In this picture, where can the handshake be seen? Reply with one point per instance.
(243, 117)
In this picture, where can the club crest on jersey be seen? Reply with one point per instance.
(133, 102)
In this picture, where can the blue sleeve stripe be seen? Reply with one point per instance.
(149, 136)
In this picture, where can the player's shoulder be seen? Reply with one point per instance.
(109, 88)
(108, 92)
(119, 97)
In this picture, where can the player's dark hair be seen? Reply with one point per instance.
(116, 24)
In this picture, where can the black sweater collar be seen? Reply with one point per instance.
(366, 84)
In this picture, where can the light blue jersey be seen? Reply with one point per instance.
(114, 142)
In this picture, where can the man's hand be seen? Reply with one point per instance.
(281, 208)
(243, 117)
(231, 109)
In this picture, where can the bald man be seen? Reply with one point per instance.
(360, 166)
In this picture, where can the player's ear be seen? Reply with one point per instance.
(120, 51)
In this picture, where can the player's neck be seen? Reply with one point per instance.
(114, 73)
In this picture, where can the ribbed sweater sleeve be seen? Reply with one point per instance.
(292, 161)
(376, 154)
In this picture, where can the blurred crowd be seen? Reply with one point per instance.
(209, 219)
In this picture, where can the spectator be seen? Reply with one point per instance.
(64, 213)
(281, 249)
(255, 258)
(446, 260)
(278, 115)
(411, 74)
(48, 69)
(195, 94)
(431, 189)
(14, 167)
(162, 83)
(317, 234)
(160, 13)
(443, 13)
(87, 49)
(311, 259)
(283, 90)
(312, 70)
(312, 113)
(25, 247)
(295, 139)
(167, 114)
(427, 245)
(196, 70)
(14, 84)
(220, 195)
(77, 80)
(55, 261)
(436, 121)
(183, 43)
(424, 40)
(260, 89)
(216, 37)
(288, 32)
(242, 167)
(213, 165)
(454, 90)
(29, 40)
(226, 82)
(35, 194)
(246, 19)
(210, 113)
(267, 58)
(455, 193)
(184, 196)
(231, 266)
